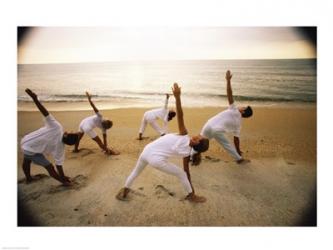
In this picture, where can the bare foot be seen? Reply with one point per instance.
(67, 183)
(76, 150)
(112, 152)
(243, 161)
(31, 179)
(195, 198)
(142, 138)
(122, 194)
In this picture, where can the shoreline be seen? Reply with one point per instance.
(23, 106)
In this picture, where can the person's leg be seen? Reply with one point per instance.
(140, 165)
(26, 169)
(172, 169)
(76, 147)
(99, 142)
(142, 128)
(156, 127)
(220, 138)
(53, 173)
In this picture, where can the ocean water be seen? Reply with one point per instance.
(143, 84)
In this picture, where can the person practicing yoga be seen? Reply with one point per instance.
(87, 126)
(159, 151)
(228, 121)
(151, 117)
(49, 139)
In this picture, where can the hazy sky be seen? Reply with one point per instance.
(100, 44)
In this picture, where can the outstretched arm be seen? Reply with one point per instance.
(186, 162)
(236, 142)
(228, 77)
(105, 141)
(34, 97)
(91, 103)
(180, 118)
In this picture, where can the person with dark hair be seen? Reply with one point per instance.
(87, 126)
(49, 139)
(159, 151)
(151, 116)
(228, 121)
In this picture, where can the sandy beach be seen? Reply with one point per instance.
(277, 188)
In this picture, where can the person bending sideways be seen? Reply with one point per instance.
(151, 116)
(228, 122)
(49, 139)
(88, 125)
(159, 151)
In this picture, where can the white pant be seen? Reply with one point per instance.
(152, 123)
(220, 138)
(162, 165)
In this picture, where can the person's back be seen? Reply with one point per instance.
(156, 113)
(46, 139)
(169, 145)
(92, 122)
(228, 121)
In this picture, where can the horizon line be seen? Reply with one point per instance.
(154, 60)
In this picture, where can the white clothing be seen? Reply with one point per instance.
(46, 140)
(157, 153)
(88, 124)
(220, 138)
(228, 121)
(151, 117)
(168, 146)
(154, 125)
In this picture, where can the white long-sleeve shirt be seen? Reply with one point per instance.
(46, 140)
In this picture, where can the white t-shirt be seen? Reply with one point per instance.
(228, 121)
(154, 114)
(46, 140)
(88, 124)
(161, 113)
(169, 145)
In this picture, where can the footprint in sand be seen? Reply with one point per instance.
(137, 193)
(36, 177)
(215, 187)
(211, 159)
(81, 153)
(78, 181)
(162, 192)
(32, 196)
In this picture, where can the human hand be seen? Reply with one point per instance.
(228, 75)
(68, 179)
(31, 94)
(176, 90)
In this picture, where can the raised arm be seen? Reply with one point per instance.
(34, 97)
(91, 103)
(181, 126)
(166, 101)
(228, 77)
